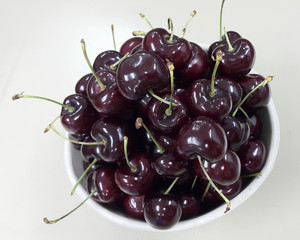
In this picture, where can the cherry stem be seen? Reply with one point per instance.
(252, 175)
(193, 13)
(170, 26)
(171, 68)
(113, 36)
(160, 99)
(58, 219)
(103, 142)
(214, 186)
(138, 33)
(21, 95)
(83, 175)
(144, 17)
(171, 186)
(194, 182)
(230, 48)
(132, 168)
(205, 192)
(102, 86)
(218, 60)
(114, 66)
(221, 16)
(138, 124)
(262, 84)
(246, 115)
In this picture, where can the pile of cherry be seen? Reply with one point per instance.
(166, 130)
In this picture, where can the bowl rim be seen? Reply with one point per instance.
(202, 219)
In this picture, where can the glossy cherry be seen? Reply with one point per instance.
(177, 50)
(112, 132)
(134, 205)
(164, 122)
(82, 83)
(106, 59)
(232, 87)
(201, 103)
(191, 205)
(237, 132)
(224, 172)
(90, 152)
(258, 98)
(130, 44)
(162, 211)
(80, 120)
(201, 136)
(141, 72)
(195, 69)
(253, 156)
(137, 181)
(236, 62)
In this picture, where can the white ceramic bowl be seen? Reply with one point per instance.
(271, 137)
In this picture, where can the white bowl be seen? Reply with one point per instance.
(271, 138)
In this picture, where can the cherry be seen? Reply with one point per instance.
(238, 59)
(200, 102)
(164, 121)
(162, 211)
(255, 125)
(253, 156)
(212, 197)
(224, 172)
(78, 138)
(168, 46)
(80, 120)
(134, 205)
(106, 59)
(201, 136)
(260, 97)
(195, 69)
(232, 87)
(90, 152)
(170, 165)
(130, 44)
(237, 132)
(82, 83)
(112, 132)
(141, 72)
(107, 189)
(191, 205)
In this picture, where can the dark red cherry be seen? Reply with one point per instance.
(170, 165)
(201, 136)
(78, 138)
(224, 172)
(90, 152)
(255, 125)
(167, 123)
(105, 59)
(112, 132)
(237, 62)
(200, 102)
(134, 205)
(232, 87)
(107, 189)
(213, 197)
(195, 69)
(130, 44)
(178, 51)
(258, 98)
(191, 205)
(237, 132)
(82, 83)
(138, 181)
(253, 156)
(141, 72)
(163, 211)
(90, 186)
(109, 102)
(81, 119)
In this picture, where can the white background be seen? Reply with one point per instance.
(40, 53)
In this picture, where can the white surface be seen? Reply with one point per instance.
(40, 53)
